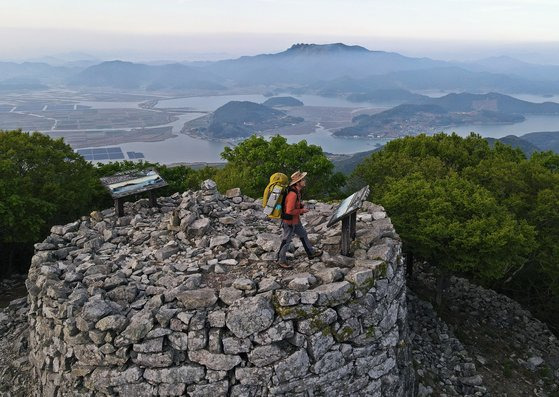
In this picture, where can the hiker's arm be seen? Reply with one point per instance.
(290, 201)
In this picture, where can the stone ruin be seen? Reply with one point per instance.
(186, 299)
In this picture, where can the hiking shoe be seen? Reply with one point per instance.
(284, 265)
(316, 254)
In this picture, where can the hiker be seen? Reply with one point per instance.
(291, 222)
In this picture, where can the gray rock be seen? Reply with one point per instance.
(262, 356)
(113, 377)
(139, 326)
(235, 192)
(341, 261)
(299, 284)
(268, 284)
(218, 362)
(280, 331)
(164, 315)
(309, 297)
(214, 340)
(333, 294)
(198, 228)
(230, 295)
(360, 277)
(250, 315)
(166, 252)
(154, 360)
(319, 344)
(185, 317)
(294, 366)
(472, 380)
(95, 309)
(382, 252)
(329, 362)
(178, 341)
(208, 184)
(244, 284)
(198, 321)
(382, 369)
(135, 389)
(114, 322)
(268, 242)
(229, 262)
(330, 275)
(217, 319)
(318, 322)
(253, 376)
(123, 293)
(232, 345)
(423, 391)
(88, 355)
(534, 362)
(182, 374)
(197, 340)
(218, 241)
(150, 346)
(287, 297)
(158, 332)
(197, 299)
(188, 220)
(220, 388)
(228, 220)
(171, 389)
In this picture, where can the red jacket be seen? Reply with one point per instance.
(293, 206)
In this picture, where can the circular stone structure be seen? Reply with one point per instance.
(186, 299)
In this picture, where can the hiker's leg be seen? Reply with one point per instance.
(286, 237)
(302, 233)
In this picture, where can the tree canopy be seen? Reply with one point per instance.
(251, 163)
(43, 183)
(463, 206)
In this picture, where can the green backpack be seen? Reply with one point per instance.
(273, 195)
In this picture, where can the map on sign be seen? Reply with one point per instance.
(349, 205)
(132, 182)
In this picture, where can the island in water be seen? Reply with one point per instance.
(239, 119)
(430, 114)
(283, 101)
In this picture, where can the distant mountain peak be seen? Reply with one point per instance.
(325, 48)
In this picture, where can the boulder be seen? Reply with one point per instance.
(250, 315)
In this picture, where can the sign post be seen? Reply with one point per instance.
(347, 213)
(132, 182)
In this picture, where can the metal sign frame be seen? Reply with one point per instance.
(347, 213)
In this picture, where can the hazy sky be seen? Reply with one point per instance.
(197, 29)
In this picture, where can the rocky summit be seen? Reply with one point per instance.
(186, 299)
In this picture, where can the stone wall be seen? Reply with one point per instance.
(186, 299)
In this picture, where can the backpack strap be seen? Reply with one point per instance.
(284, 215)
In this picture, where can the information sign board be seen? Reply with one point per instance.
(349, 205)
(133, 182)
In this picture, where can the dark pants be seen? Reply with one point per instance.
(287, 235)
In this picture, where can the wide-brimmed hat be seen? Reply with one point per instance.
(296, 177)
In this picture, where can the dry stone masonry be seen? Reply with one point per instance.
(186, 299)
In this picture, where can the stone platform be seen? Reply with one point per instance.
(186, 299)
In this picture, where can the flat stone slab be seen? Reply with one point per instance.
(166, 252)
(215, 361)
(182, 374)
(333, 294)
(197, 299)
